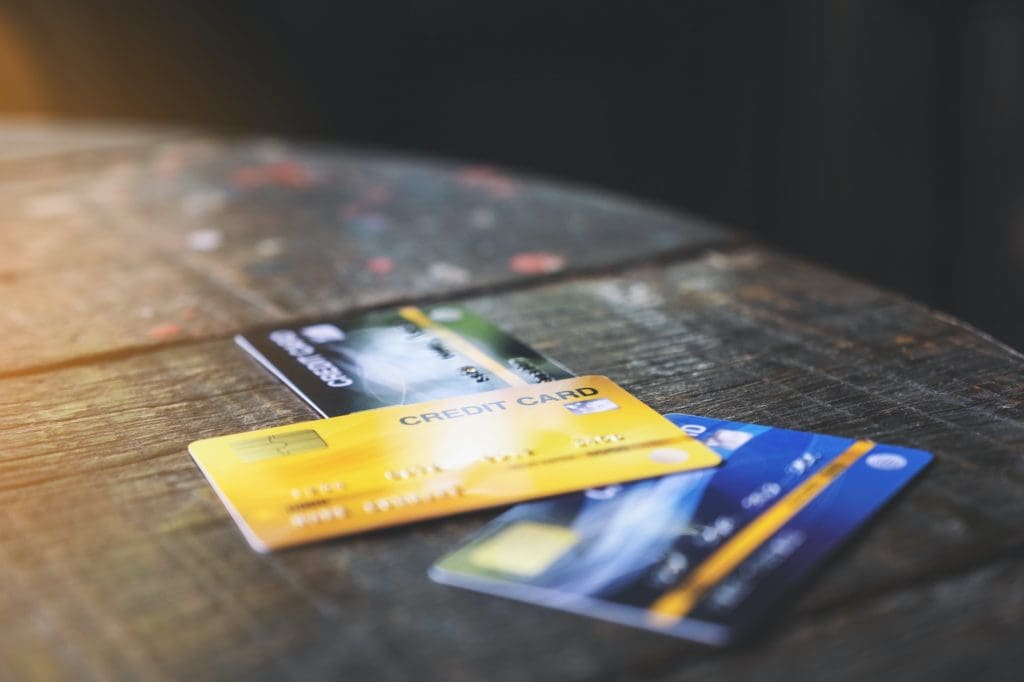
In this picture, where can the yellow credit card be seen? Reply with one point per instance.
(294, 484)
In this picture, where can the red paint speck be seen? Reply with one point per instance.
(489, 180)
(281, 173)
(163, 331)
(536, 263)
(380, 265)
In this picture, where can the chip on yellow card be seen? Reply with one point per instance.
(294, 484)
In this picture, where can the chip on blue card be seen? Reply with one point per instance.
(704, 555)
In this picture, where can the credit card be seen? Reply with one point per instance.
(396, 357)
(704, 555)
(294, 484)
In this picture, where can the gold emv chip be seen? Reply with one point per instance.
(278, 445)
(525, 549)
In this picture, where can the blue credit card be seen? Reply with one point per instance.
(704, 555)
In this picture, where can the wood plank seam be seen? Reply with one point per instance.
(726, 244)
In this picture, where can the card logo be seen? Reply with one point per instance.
(886, 461)
(591, 406)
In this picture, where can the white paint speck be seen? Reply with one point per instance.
(204, 240)
(448, 273)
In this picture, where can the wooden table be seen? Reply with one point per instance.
(128, 259)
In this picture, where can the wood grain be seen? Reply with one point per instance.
(120, 562)
(27, 139)
(133, 245)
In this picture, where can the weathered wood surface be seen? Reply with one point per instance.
(31, 139)
(142, 241)
(118, 561)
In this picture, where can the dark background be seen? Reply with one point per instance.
(880, 137)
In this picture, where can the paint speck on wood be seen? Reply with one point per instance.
(167, 330)
(380, 265)
(536, 263)
(280, 173)
(204, 240)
